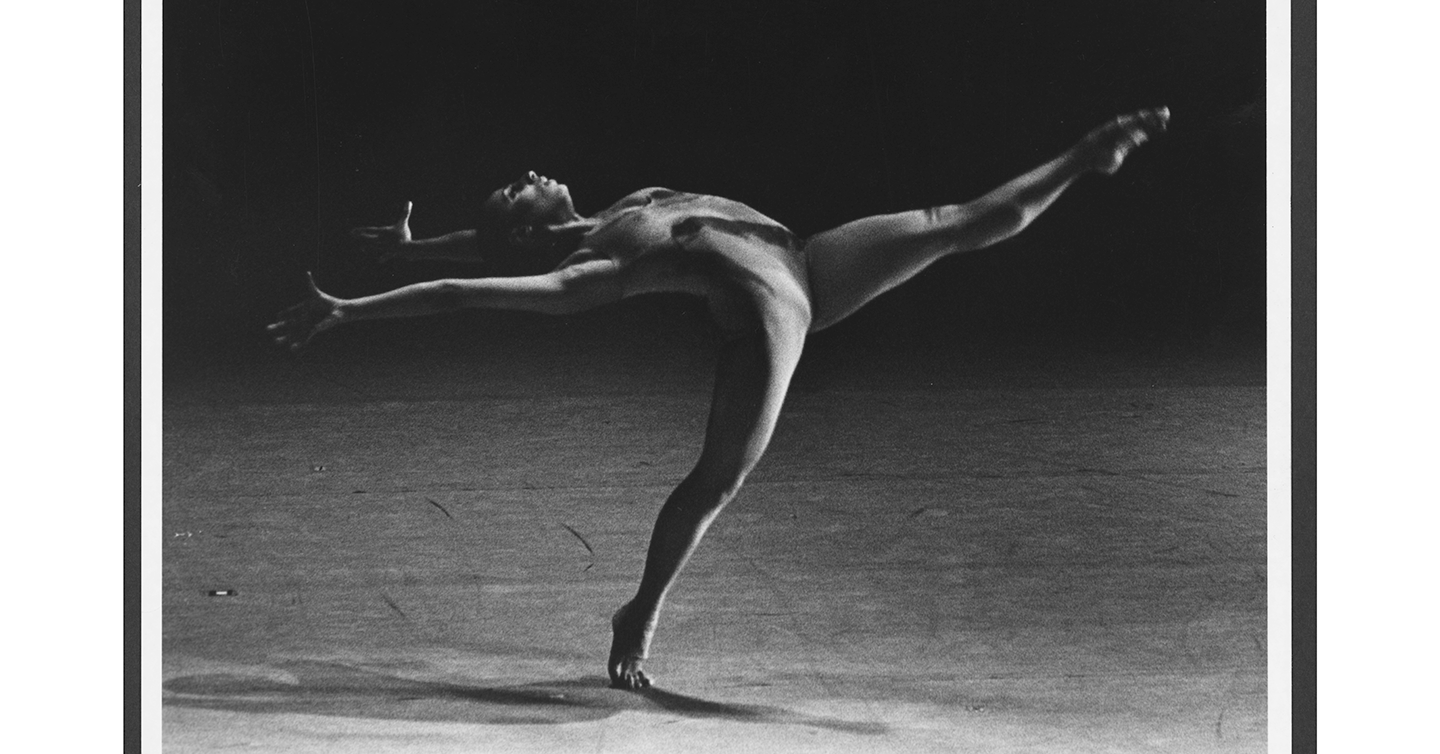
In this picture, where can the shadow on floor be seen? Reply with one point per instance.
(340, 690)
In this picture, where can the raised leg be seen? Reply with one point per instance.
(754, 374)
(854, 263)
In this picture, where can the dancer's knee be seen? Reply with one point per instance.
(952, 228)
(713, 488)
(981, 223)
(709, 486)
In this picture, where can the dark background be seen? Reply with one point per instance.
(286, 123)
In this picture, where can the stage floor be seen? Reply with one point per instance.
(423, 554)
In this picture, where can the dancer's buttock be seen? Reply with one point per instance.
(720, 250)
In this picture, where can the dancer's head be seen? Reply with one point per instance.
(529, 226)
(527, 209)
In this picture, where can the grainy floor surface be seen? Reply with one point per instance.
(424, 552)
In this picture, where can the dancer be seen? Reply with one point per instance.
(766, 289)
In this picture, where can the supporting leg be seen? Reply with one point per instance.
(754, 374)
(854, 263)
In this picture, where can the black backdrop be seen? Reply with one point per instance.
(286, 123)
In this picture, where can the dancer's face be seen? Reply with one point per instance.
(533, 200)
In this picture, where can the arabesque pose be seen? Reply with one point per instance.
(766, 289)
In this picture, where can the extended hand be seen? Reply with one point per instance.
(389, 240)
(295, 326)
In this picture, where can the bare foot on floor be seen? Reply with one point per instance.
(1108, 145)
(628, 649)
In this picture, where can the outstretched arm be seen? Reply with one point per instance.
(395, 242)
(459, 246)
(564, 291)
(572, 289)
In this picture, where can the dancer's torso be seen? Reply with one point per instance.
(658, 240)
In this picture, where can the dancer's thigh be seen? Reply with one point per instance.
(854, 263)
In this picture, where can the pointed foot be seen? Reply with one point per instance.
(1110, 144)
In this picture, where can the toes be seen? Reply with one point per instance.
(1112, 142)
(627, 675)
(1159, 117)
(624, 682)
(1140, 124)
(631, 681)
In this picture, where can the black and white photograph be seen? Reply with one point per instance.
(724, 375)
